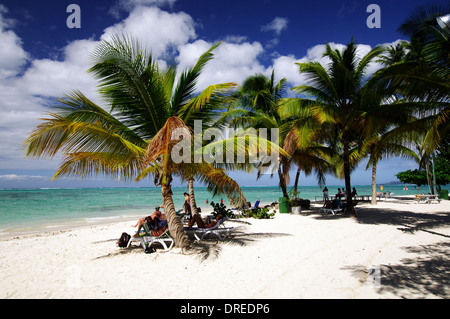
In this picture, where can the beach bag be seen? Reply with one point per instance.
(123, 240)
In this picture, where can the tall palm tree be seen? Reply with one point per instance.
(140, 99)
(342, 102)
(424, 74)
(257, 103)
(385, 144)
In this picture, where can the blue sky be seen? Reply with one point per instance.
(41, 58)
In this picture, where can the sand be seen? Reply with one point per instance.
(396, 249)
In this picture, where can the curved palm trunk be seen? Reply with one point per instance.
(192, 196)
(429, 177)
(297, 176)
(374, 184)
(174, 223)
(348, 186)
(282, 182)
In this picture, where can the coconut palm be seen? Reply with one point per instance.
(159, 151)
(383, 145)
(423, 76)
(140, 99)
(343, 104)
(256, 107)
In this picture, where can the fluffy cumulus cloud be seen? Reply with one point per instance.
(232, 62)
(161, 31)
(13, 57)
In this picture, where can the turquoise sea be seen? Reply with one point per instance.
(28, 210)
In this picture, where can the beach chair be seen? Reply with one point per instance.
(336, 207)
(256, 204)
(218, 230)
(147, 239)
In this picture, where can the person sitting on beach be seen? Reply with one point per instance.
(154, 221)
(187, 205)
(197, 219)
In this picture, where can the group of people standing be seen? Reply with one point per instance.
(340, 193)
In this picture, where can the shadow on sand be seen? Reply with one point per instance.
(425, 275)
(426, 272)
(212, 248)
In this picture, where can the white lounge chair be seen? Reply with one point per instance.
(147, 240)
(335, 208)
(218, 230)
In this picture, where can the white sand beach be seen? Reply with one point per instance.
(396, 249)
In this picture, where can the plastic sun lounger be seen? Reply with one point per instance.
(147, 240)
(219, 230)
(256, 204)
(333, 210)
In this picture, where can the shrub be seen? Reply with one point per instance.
(221, 209)
(258, 213)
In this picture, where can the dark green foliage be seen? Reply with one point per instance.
(258, 213)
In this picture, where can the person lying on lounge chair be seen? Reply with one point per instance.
(196, 219)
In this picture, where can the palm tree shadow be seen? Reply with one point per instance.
(407, 221)
(424, 274)
(212, 248)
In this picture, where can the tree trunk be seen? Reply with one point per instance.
(297, 176)
(174, 223)
(374, 184)
(348, 186)
(192, 196)
(282, 182)
(429, 177)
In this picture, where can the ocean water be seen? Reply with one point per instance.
(28, 210)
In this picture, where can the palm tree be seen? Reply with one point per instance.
(385, 144)
(141, 98)
(342, 103)
(394, 54)
(423, 76)
(257, 103)
(159, 151)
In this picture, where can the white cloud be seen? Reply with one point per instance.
(15, 177)
(276, 25)
(130, 5)
(232, 62)
(161, 31)
(13, 57)
(51, 78)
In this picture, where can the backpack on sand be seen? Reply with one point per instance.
(123, 240)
